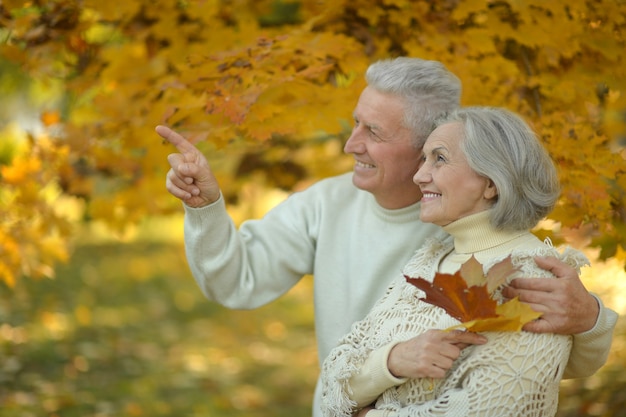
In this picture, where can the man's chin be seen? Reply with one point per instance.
(360, 182)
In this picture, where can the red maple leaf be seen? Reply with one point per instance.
(451, 293)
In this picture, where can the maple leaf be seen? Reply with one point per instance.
(467, 295)
(451, 293)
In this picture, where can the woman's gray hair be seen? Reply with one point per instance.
(501, 146)
(428, 88)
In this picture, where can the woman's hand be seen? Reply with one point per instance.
(363, 411)
(430, 354)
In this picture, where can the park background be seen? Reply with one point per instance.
(99, 315)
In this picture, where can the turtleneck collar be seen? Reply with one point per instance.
(474, 233)
(409, 213)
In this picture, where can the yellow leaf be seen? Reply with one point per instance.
(512, 316)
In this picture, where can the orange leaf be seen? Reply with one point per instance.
(451, 293)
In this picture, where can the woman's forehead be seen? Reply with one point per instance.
(448, 135)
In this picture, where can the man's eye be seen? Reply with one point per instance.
(374, 135)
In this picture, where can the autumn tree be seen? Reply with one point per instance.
(269, 86)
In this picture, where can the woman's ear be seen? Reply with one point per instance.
(491, 192)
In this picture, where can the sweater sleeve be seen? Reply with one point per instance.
(591, 348)
(255, 265)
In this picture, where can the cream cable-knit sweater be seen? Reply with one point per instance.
(514, 374)
(351, 245)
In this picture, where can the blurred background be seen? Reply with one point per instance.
(99, 315)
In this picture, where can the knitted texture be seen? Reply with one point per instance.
(514, 374)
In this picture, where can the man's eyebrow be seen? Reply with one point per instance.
(374, 126)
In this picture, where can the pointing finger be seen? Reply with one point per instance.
(466, 338)
(182, 144)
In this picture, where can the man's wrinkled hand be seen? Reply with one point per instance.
(190, 177)
(566, 305)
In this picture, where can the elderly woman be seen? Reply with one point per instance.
(487, 180)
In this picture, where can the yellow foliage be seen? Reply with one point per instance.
(225, 74)
(33, 237)
(21, 170)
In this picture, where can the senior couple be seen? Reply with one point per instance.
(433, 184)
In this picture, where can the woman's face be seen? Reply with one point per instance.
(450, 188)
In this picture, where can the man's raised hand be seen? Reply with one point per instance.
(190, 177)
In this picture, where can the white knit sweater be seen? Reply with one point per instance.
(514, 374)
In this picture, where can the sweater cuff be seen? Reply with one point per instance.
(377, 413)
(196, 216)
(604, 323)
(374, 377)
(379, 361)
(591, 348)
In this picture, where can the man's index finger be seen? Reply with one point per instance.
(182, 144)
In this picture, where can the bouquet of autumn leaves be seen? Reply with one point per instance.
(468, 296)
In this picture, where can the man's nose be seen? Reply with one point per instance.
(355, 143)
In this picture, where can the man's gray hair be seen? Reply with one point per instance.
(428, 88)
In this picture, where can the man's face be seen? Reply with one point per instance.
(385, 158)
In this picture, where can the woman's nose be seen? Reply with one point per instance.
(422, 175)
